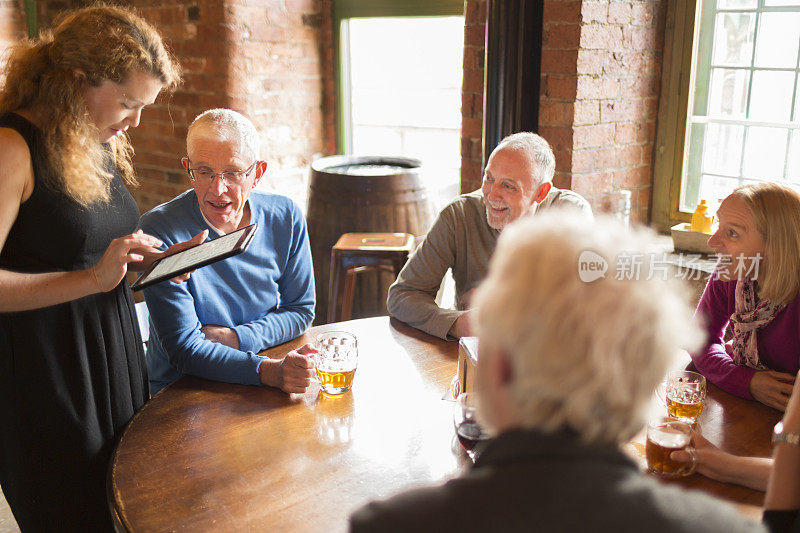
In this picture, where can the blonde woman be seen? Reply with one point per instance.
(755, 294)
(72, 369)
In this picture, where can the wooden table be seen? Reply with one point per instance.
(208, 456)
(738, 426)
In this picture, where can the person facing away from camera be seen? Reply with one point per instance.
(565, 374)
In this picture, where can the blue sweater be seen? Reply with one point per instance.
(265, 294)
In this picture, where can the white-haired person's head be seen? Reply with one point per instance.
(538, 151)
(225, 125)
(564, 346)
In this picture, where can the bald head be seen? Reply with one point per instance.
(225, 125)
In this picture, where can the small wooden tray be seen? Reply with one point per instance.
(684, 239)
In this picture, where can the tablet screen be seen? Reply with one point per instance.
(197, 256)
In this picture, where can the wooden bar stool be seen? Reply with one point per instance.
(359, 252)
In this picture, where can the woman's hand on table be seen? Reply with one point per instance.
(772, 388)
(716, 464)
(294, 373)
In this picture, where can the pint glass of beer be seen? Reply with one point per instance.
(664, 436)
(685, 394)
(336, 361)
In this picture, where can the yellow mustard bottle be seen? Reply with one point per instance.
(701, 221)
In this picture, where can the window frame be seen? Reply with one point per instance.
(682, 27)
(681, 39)
(343, 11)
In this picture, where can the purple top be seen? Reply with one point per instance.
(778, 341)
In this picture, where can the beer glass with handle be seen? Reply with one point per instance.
(665, 435)
(336, 361)
(685, 394)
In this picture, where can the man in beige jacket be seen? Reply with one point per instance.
(517, 181)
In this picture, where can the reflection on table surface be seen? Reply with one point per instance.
(205, 456)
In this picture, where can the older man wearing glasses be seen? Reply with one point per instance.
(213, 325)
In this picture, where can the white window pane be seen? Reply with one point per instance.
(378, 59)
(771, 98)
(733, 39)
(793, 170)
(370, 140)
(727, 95)
(439, 144)
(782, 2)
(737, 4)
(405, 80)
(797, 101)
(764, 153)
(429, 107)
(722, 147)
(714, 188)
(777, 40)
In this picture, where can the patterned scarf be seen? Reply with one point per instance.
(746, 320)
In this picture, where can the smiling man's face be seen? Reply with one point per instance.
(508, 186)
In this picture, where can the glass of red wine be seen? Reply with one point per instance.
(468, 431)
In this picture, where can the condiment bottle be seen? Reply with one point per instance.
(700, 220)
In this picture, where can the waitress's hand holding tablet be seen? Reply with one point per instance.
(195, 257)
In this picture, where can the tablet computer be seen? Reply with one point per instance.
(195, 257)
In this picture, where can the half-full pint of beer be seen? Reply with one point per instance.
(335, 380)
(685, 394)
(684, 407)
(664, 436)
(336, 360)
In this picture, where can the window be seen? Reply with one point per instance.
(400, 84)
(737, 96)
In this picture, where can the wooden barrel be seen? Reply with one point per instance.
(350, 194)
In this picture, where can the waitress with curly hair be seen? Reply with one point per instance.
(72, 368)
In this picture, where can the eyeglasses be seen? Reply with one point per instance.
(229, 177)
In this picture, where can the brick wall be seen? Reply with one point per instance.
(268, 59)
(560, 40)
(260, 57)
(601, 68)
(472, 94)
(12, 27)
(618, 77)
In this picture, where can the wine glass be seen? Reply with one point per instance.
(468, 431)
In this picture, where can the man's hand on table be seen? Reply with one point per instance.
(461, 327)
(221, 334)
(293, 373)
(772, 388)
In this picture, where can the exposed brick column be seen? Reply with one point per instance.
(601, 68)
(472, 94)
(619, 70)
(560, 41)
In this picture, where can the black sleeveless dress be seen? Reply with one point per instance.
(71, 375)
